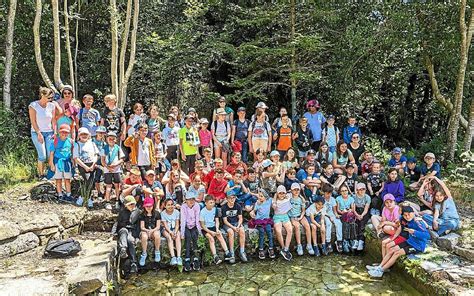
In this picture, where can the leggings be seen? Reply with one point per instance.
(261, 236)
(190, 240)
(348, 230)
(361, 224)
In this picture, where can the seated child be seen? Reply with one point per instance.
(351, 177)
(330, 177)
(232, 218)
(270, 178)
(281, 206)
(236, 185)
(394, 186)
(150, 221)
(346, 208)
(290, 178)
(190, 229)
(315, 214)
(310, 179)
(388, 223)
(170, 219)
(198, 189)
(252, 183)
(413, 172)
(297, 218)
(398, 161)
(217, 186)
(127, 231)
(366, 165)
(262, 221)
(332, 217)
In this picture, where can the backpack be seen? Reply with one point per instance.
(62, 248)
(49, 172)
(115, 152)
(325, 131)
(227, 126)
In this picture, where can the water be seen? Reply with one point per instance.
(335, 274)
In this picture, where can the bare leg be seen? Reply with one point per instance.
(296, 225)
(169, 239)
(289, 234)
(212, 243)
(221, 239)
(67, 184)
(178, 244)
(279, 234)
(230, 237)
(144, 241)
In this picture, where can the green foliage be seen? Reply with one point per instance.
(375, 146)
(203, 247)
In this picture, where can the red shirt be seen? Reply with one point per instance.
(217, 188)
(204, 178)
(232, 167)
(128, 181)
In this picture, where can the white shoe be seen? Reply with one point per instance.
(360, 247)
(355, 245)
(372, 267)
(376, 273)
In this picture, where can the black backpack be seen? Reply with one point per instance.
(62, 248)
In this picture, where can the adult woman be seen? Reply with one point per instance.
(356, 148)
(229, 113)
(42, 113)
(341, 157)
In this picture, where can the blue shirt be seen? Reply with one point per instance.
(296, 204)
(344, 204)
(89, 119)
(303, 175)
(348, 131)
(329, 205)
(393, 162)
(435, 167)
(208, 217)
(314, 123)
(448, 211)
(262, 211)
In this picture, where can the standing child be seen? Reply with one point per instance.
(259, 135)
(150, 224)
(375, 183)
(332, 217)
(233, 224)
(88, 116)
(362, 206)
(221, 131)
(205, 137)
(240, 129)
(297, 217)
(350, 129)
(142, 150)
(283, 137)
(190, 229)
(331, 134)
(170, 218)
(263, 223)
(154, 121)
(303, 137)
(315, 214)
(136, 119)
(60, 162)
(162, 164)
(171, 136)
(112, 158)
(281, 206)
(346, 208)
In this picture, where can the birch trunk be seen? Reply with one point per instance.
(9, 54)
(37, 41)
(68, 48)
(470, 131)
(123, 49)
(114, 53)
(57, 44)
(76, 50)
(293, 58)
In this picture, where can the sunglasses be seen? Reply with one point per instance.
(67, 93)
(356, 137)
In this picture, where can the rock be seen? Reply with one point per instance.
(39, 222)
(33, 286)
(22, 243)
(464, 252)
(72, 216)
(101, 220)
(430, 267)
(8, 230)
(46, 234)
(448, 242)
(465, 273)
(208, 289)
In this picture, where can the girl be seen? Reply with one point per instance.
(229, 113)
(324, 155)
(217, 186)
(150, 222)
(303, 137)
(198, 189)
(260, 135)
(445, 216)
(221, 131)
(258, 162)
(170, 220)
(136, 119)
(346, 208)
(69, 118)
(171, 137)
(316, 213)
(154, 121)
(205, 137)
(262, 221)
(278, 121)
(341, 157)
(281, 206)
(329, 177)
(60, 162)
(425, 195)
(362, 206)
(366, 165)
(330, 134)
(394, 186)
(162, 164)
(175, 167)
(275, 158)
(176, 188)
(270, 178)
(388, 223)
(375, 184)
(297, 218)
(190, 229)
(289, 160)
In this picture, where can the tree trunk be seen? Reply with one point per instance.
(293, 58)
(114, 54)
(68, 48)
(76, 50)
(123, 49)
(9, 54)
(36, 35)
(469, 133)
(57, 44)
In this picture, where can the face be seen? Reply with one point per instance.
(150, 178)
(389, 203)
(221, 117)
(439, 196)
(327, 195)
(304, 123)
(368, 156)
(343, 147)
(207, 154)
(291, 175)
(285, 121)
(67, 94)
(210, 204)
(408, 216)
(175, 165)
(238, 177)
(252, 176)
(411, 165)
(157, 137)
(197, 182)
(100, 136)
(149, 209)
(331, 121)
(429, 160)
(344, 191)
(260, 156)
(350, 170)
(143, 132)
(175, 176)
(275, 158)
(171, 122)
(361, 191)
(310, 157)
(219, 176)
(204, 125)
(189, 122)
(231, 200)
(169, 206)
(134, 178)
(397, 156)
(352, 121)
(63, 135)
(376, 168)
(291, 153)
(237, 157)
(355, 138)
(130, 206)
(241, 114)
(138, 110)
(221, 104)
(329, 170)
(283, 111)
(281, 195)
(83, 137)
(154, 112)
(219, 164)
(393, 175)
(319, 205)
(295, 191)
(110, 103)
(324, 148)
(199, 167)
(88, 102)
(261, 197)
(310, 170)
(190, 202)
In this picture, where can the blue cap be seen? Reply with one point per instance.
(266, 163)
(230, 193)
(411, 160)
(319, 198)
(397, 150)
(101, 129)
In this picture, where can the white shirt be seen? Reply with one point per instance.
(87, 152)
(120, 154)
(144, 152)
(44, 116)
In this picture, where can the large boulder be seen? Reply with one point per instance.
(100, 220)
(71, 216)
(448, 242)
(38, 222)
(22, 243)
(8, 230)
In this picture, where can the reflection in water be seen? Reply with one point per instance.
(335, 274)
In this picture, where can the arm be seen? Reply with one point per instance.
(183, 156)
(124, 127)
(183, 221)
(129, 141)
(142, 226)
(443, 185)
(233, 130)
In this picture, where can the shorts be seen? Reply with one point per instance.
(399, 239)
(226, 228)
(261, 144)
(62, 175)
(374, 212)
(281, 218)
(112, 178)
(408, 249)
(210, 228)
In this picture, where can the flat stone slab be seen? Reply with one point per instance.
(448, 242)
(33, 286)
(22, 243)
(8, 230)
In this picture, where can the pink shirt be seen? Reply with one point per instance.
(205, 137)
(393, 215)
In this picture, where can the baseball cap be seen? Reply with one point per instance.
(204, 120)
(429, 154)
(274, 153)
(311, 151)
(388, 196)
(241, 109)
(360, 186)
(266, 163)
(191, 110)
(411, 160)
(67, 87)
(112, 134)
(150, 172)
(101, 129)
(129, 200)
(230, 193)
(295, 185)
(221, 99)
(281, 188)
(65, 128)
(397, 150)
(262, 105)
(83, 130)
(331, 117)
(148, 202)
(172, 116)
(220, 111)
(407, 209)
(349, 165)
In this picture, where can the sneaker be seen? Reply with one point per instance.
(360, 247)
(108, 206)
(285, 254)
(70, 199)
(261, 254)
(196, 264)
(243, 256)
(376, 273)
(157, 256)
(324, 251)
(133, 268)
(142, 259)
(345, 247)
(61, 199)
(217, 260)
(232, 258)
(316, 251)
(310, 250)
(339, 246)
(79, 201)
(123, 253)
(174, 261)
(371, 267)
(271, 253)
(299, 250)
(355, 245)
(227, 256)
(329, 247)
(180, 261)
(187, 264)
(289, 255)
(90, 203)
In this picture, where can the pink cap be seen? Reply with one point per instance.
(149, 202)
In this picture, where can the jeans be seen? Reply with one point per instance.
(43, 148)
(261, 236)
(246, 199)
(190, 240)
(443, 225)
(245, 150)
(126, 240)
(337, 222)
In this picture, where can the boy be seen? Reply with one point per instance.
(171, 136)
(366, 165)
(351, 177)
(142, 152)
(252, 183)
(217, 186)
(413, 172)
(188, 144)
(232, 218)
(88, 116)
(315, 214)
(240, 129)
(153, 188)
(332, 217)
(375, 184)
(331, 134)
(113, 117)
(210, 229)
(283, 136)
(236, 185)
(398, 161)
(127, 230)
(112, 159)
(190, 229)
(350, 129)
(60, 162)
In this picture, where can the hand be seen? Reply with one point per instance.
(52, 167)
(183, 157)
(435, 225)
(213, 233)
(409, 230)
(40, 138)
(182, 236)
(371, 192)
(219, 144)
(236, 229)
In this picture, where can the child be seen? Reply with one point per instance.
(238, 188)
(154, 121)
(252, 184)
(217, 186)
(153, 188)
(136, 119)
(375, 183)
(331, 133)
(310, 179)
(221, 131)
(60, 162)
(113, 118)
(170, 218)
(445, 216)
(332, 217)
(127, 231)
(207, 160)
(205, 137)
(112, 158)
(430, 167)
(198, 188)
(270, 177)
(324, 155)
(258, 162)
(263, 223)
(329, 177)
(150, 222)
(232, 218)
(297, 218)
(315, 215)
(275, 158)
(362, 216)
(350, 129)
(162, 164)
(413, 172)
(394, 186)
(346, 208)
(190, 229)
(303, 137)
(176, 188)
(281, 206)
(99, 141)
(398, 161)
(259, 135)
(236, 164)
(283, 137)
(69, 118)
(142, 150)
(210, 229)
(341, 157)
(171, 135)
(290, 179)
(388, 223)
(366, 165)
(351, 177)
(289, 160)
(416, 243)
(240, 129)
(88, 116)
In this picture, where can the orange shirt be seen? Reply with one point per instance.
(284, 140)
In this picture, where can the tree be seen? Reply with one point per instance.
(9, 54)
(68, 47)
(57, 44)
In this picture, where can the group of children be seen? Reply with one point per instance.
(181, 179)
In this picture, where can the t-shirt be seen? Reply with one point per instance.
(448, 211)
(241, 129)
(190, 140)
(284, 138)
(331, 179)
(323, 158)
(112, 157)
(331, 132)
(303, 175)
(150, 221)
(171, 135)
(282, 206)
(350, 182)
(221, 129)
(89, 118)
(153, 125)
(356, 152)
(228, 111)
(170, 219)
(329, 206)
(277, 122)
(156, 184)
(259, 130)
(205, 137)
(435, 167)
(342, 159)
(393, 162)
(232, 214)
(296, 204)
(62, 149)
(311, 210)
(414, 174)
(262, 210)
(344, 204)
(160, 150)
(360, 202)
(134, 121)
(376, 181)
(87, 152)
(112, 120)
(314, 123)
(252, 186)
(197, 191)
(44, 116)
(208, 217)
